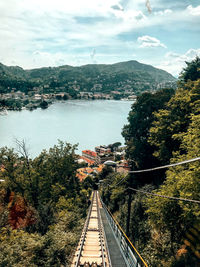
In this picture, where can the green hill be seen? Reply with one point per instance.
(131, 75)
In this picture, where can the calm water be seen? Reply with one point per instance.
(89, 123)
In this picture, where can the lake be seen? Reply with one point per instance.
(88, 123)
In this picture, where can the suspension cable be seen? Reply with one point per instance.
(158, 168)
(164, 196)
(166, 166)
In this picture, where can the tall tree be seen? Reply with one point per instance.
(173, 121)
(136, 132)
(191, 71)
(176, 216)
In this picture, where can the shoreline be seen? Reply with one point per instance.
(33, 106)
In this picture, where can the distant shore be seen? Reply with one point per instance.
(19, 101)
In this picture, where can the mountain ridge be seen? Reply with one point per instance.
(128, 75)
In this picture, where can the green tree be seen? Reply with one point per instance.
(191, 71)
(44, 104)
(136, 133)
(176, 217)
(48, 184)
(173, 121)
(114, 146)
(57, 172)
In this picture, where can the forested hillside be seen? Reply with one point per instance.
(42, 206)
(130, 75)
(162, 128)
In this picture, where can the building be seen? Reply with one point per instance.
(37, 97)
(102, 149)
(104, 157)
(91, 156)
(88, 161)
(82, 173)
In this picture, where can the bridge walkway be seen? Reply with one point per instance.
(117, 260)
(103, 242)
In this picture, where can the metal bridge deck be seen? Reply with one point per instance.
(103, 242)
(116, 257)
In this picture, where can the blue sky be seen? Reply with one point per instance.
(37, 33)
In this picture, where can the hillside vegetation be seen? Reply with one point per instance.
(162, 128)
(130, 75)
(42, 206)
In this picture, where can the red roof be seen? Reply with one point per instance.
(91, 162)
(89, 152)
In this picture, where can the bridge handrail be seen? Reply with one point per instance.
(132, 255)
(100, 230)
(85, 230)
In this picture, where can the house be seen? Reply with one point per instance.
(102, 149)
(90, 155)
(37, 97)
(88, 161)
(105, 156)
(82, 173)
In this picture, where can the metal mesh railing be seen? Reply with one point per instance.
(130, 253)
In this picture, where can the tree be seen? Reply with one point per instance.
(44, 104)
(43, 197)
(191, 71)
(164, 229)
(173, 121)
(10, 164)
(114, 146)
(173, 216)
(136, 133)
(65, 97)
(57, 172)
(105, 172)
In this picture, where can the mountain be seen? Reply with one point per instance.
(124, 76)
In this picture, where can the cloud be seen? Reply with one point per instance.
(194, 11)
(41, 59)
(172, 4)
(174, 62)
(148, 41)
(45, 58)
(130, 18)
(75, 7)
(39, 33)
(163, 12)
(117, 7)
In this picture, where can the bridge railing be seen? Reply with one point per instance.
(130, 253)
(83, 235)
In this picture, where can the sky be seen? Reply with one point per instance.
(41, 33)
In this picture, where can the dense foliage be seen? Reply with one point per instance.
(163, 128)
(130, 75)
(42, 206)
(136, 132)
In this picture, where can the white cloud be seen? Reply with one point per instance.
(38, 59)
(174, 62)
(118, 7)
(52, 27)
(38, 33)
(194, 11)
(163, 12)
(148, 41)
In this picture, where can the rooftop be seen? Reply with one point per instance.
(89, 152)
